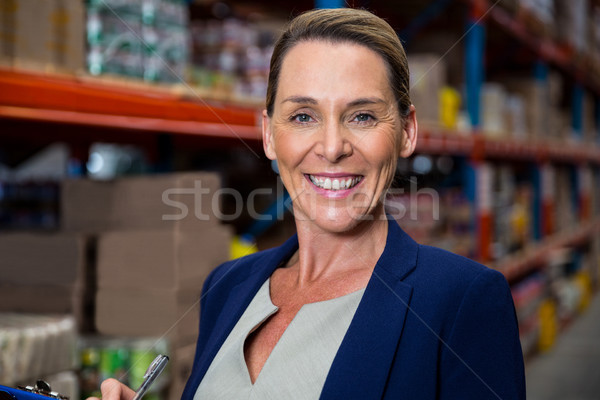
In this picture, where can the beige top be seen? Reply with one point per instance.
(300, 361)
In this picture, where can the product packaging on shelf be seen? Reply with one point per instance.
(571, 22)
(34, 346)
(231, 57)
(138, 39)
(493, 103)
(122, 358)
(536, 95)
(427, 78)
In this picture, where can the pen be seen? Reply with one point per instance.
(156, 367)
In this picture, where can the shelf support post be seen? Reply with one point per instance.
(478, 173)
(577, 112)
(329, 3)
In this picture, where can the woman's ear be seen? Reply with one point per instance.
(409, 133)
(267, 137)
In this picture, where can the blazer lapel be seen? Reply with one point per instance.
(239, 297)
(361, 367)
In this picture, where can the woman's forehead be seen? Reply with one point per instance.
(321, 69)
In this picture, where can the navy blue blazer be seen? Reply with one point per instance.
(430, 325)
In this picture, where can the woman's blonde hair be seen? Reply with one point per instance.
(345, 25)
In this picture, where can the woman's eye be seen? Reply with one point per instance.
(302, 118)
(362, 118)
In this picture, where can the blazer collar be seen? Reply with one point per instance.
(361, 367)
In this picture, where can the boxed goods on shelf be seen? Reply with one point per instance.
(27, 34)
(34, 346)
(571, 22)
(141, 39)
(536, 95)
(565, 207)
(493, 103)
(183, 201)
(231, 57)
(514, 116)
(160, 259)
(42, 34)
(427, 78)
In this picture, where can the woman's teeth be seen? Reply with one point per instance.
(335, 183)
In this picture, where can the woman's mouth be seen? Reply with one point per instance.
(335, 183)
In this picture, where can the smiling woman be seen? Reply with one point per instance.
(336, 134)
(350, 307)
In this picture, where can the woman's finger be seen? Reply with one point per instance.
(112, 389)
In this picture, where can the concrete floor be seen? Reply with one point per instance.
(571, 370)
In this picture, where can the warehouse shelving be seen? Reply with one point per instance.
(441, 141)
(537, 255)
(86, 101)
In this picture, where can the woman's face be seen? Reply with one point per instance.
(336, 133)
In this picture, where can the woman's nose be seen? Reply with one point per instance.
(334, 145)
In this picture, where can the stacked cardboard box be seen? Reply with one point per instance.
(42, 34)
(45, 273)
(158, 237)
(149, 282)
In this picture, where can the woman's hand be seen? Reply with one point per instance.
(112, 389)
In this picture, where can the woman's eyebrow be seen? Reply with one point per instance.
(300, 100)
(365, 101)
(358, 102)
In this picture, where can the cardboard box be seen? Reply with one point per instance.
(43, 259)
(35, 38)
(69, 26)
(172, 313)
(8, 10)
(49, 299)
(427, 77)
(42, 34)
(185, 201)
(160, 259)
(536, 95)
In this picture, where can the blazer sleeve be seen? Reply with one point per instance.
(482, 358)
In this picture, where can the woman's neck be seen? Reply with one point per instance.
(324, 255)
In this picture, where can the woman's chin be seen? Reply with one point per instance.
(337, 220)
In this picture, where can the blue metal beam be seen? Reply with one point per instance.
(329, 3)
